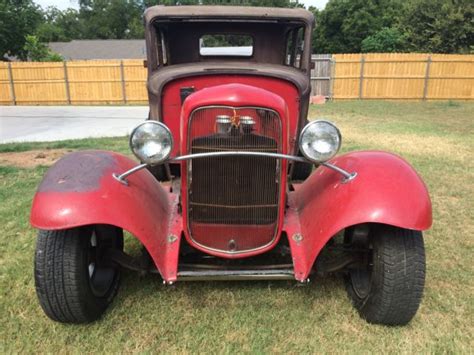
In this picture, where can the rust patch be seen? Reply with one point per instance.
(78, 172)
(32, 158)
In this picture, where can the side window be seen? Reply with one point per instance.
(294, 47)
(162, 47)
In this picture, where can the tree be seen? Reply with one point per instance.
(343, 24)
(111, 19)
(385, 40)
(39, 52)
(18, 18)
(442, 26)
(60, 25)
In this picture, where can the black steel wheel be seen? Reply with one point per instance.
(386, 286)
(74, 281)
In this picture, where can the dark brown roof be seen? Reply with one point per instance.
(224, 12)
(100, 49)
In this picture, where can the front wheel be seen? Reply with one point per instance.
(73, 282)
(387, 286)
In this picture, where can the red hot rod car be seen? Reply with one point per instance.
(225, 188)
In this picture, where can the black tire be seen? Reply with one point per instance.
(388, 288)
(73, 282)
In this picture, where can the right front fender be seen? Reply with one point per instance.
(80, 190)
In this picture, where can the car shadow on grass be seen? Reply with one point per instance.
(225, 295)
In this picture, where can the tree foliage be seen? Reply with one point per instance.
(38, 51)
(18, 18)
(443, 26)
(386, 40)
(343, 25)
(111, 19)
(60, 25)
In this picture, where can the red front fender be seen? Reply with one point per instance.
(80, 190)
(386, 190)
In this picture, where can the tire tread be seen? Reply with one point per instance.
(61, 284)
(398, 280)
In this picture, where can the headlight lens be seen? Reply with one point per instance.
(320, 141)
(151, 142)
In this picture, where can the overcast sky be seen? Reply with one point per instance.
(64, 4)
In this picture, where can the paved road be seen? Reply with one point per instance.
(52, 123)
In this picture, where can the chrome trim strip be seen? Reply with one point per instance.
(238, 153)
(347, 175)
(227, 275)
(236, 252)
(122, 177)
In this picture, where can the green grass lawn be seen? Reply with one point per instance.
(437, 138)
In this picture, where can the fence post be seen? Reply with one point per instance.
(122, 78)
(427, 77)
(361, 80)
(332, 70)
(12, 85)
(66, 83)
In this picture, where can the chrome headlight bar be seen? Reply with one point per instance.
(152, 143)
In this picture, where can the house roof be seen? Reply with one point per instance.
(100, 49)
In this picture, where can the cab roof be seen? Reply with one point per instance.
(262, 14)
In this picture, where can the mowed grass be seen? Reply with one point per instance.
(264, 317)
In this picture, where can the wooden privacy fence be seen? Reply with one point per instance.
(413, 76)
(340, 76)
(74, 82)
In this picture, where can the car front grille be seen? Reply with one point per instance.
(233, 201)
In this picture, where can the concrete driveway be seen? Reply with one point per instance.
(53, 123)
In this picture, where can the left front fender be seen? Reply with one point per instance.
(80, 190)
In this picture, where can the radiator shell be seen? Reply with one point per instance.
(233, 202)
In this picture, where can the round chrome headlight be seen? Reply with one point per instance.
(151, 142)
(320, 141)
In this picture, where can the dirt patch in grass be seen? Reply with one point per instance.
(32, 158)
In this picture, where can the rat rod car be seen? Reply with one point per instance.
(225, 189)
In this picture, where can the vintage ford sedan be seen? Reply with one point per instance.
(224, 187)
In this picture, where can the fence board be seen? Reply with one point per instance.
(135, 81)
(339, 76)
(346, 80)
(321, 75)
(5, 90)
